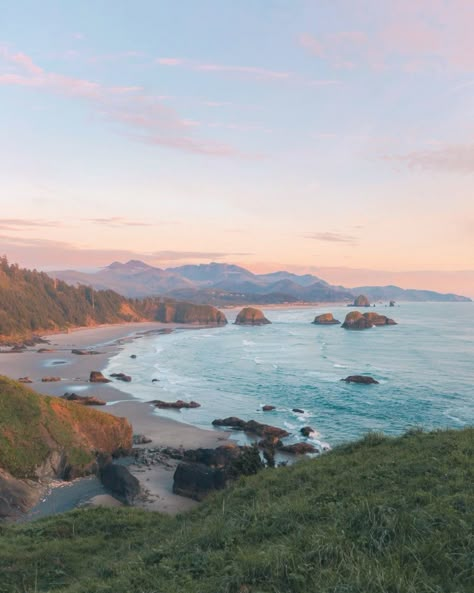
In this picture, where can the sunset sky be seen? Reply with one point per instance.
(309, 135)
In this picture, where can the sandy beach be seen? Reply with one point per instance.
(74, 372)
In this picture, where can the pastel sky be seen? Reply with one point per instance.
(309, 135)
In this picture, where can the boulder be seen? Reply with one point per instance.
(177, 405)
(24, 380)
(98, 377)
(251, 426)
(141, 439)
(307, 431)
(298, 411)
(377, 319)
(355, 320)
(251, 316)
(45, 350)
(50, 379)
(120, 482)
(361, 379)
(220, 457)
(121, 377)
(391, 304)
(267, 408)
(133, 355)
(80, 352)
(85, 400)
(361, 301)
(299, 449)
(325, 319)
(196, 480)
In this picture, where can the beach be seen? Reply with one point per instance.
(58, 361)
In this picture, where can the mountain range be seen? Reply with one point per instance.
(229, 284)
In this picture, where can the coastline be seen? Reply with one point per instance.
(74, 370)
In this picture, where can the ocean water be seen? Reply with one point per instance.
(425, 366)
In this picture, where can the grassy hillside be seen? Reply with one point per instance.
(32, 426)
(383, 515)
(32, 302)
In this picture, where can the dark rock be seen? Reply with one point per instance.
(298, 410)
(392, 304)
(45, 350)
(363, 379)
(196, 480)
(154, 380)
(133, 356)
(306, 431)
(80, 352)
(24, 380)
(299, 449)
(219, 457)
(121, 377)
(119, 480)
(85, 400)
(356, 320)
(326, 319)
(141, 439)
(251, 426)
(251, 316)
(267, 408)
(361, 301)
(377, 319)
(98, 377)
(50, 379)
(177, 405)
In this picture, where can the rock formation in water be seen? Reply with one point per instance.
(361, 379)
(325, 319)
(97, 377)
(175, 312)
(251, 426)
(85, 400)
(361, 301)
(356, 320)
(251, 316)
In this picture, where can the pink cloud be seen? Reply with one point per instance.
(140, 116)
(456, 158)
(170, 61)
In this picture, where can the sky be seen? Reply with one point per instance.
(329, 136)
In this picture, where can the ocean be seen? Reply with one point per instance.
(424, 365)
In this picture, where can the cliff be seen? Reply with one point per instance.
(47, 437)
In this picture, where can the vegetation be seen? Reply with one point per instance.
(32, 302)
(382, 515)
(33, 425)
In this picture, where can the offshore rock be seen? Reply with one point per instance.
(361, 379)
(85, 400)
(98, 377)
(251, 316)
(325, 319)
(251, 426)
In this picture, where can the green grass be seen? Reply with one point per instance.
(382, 515)
(33, 425)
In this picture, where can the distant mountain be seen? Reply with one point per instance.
(228, 284)
(384, 293)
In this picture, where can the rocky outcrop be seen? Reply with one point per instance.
(17, 496)
(85, 400)
(391, 304)
(50, 379)
(299, 449)
(361, 301)
(196, 480)
(175, 312)
(121, 377)
(251, 426)
(98, 377)
(356, 320)
(325, 319)
(267, 408)
(361, 379)
(24, 380)
(80, 352)
(307, 431)
(251, 316)
(141, 439)
(177, 405)
(120, 482)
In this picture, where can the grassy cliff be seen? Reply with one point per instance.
(382, 515)
(34, 427)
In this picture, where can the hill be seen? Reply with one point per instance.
(48, 437)
(376, 516)
(33, 302)
(384, 293)
(228, 284)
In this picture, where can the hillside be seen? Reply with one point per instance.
(44, 436)
(376, 516)
(228, 284)
(33, 302)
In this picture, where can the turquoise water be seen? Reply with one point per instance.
(425, 366)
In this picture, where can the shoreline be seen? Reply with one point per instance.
(74, 370)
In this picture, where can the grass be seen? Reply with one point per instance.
(382, 515)
(32, 425)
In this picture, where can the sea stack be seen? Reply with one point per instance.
(361, 301)
(325, 319)
(251, 316)
(357, 320)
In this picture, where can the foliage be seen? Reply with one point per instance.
(382, 515)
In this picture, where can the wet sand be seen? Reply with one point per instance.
(74, 372)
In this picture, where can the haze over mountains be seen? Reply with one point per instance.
(222, 284)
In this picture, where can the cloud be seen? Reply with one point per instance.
(140, 116)
(329, 237)
(406, 34)
(21, 224)
(455, 158)
(117, 221)
(253, 72)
